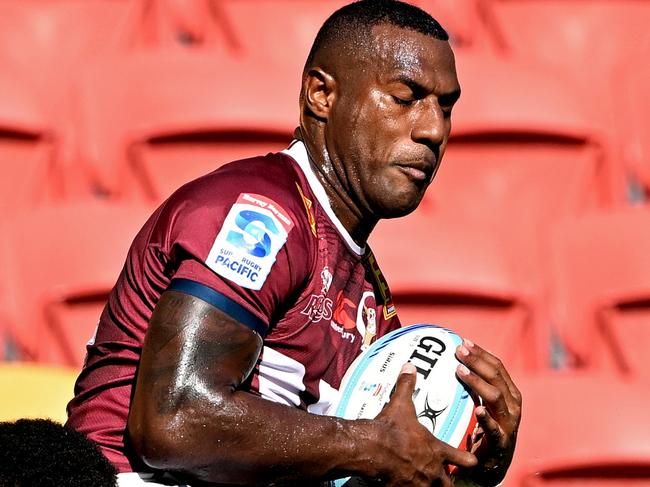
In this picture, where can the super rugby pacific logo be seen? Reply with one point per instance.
(254, 235)
(247, 244)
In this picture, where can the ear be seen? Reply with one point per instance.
(319, 88)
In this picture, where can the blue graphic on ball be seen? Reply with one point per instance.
(254, 237)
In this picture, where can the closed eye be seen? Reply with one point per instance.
(403, 101)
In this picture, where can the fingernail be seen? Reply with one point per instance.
(463, 351)
(468, 343)
(480, 411)
(408, 368)
(462, 370)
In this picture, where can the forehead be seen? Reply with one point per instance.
(406, 52)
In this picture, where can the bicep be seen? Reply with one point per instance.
(193, 352)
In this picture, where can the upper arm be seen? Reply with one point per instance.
(194, 354)
(203, 338)
(250, 255)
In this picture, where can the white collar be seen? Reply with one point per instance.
(298, 152)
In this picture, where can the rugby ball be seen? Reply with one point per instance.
(442, 402)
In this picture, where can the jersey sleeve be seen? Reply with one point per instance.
(240, 243)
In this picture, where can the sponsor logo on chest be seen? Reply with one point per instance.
(344, 315)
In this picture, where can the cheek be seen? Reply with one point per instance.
(379, 119)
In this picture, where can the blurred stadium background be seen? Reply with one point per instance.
(534, 239)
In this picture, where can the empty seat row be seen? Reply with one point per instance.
(58, 264)
(579, 300)
(580, 429)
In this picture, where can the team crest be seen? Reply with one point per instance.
(252, 234)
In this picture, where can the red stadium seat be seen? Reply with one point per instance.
(630, 82)
(59, 33)
(6, 336)
(471, 24)
(443, 271)
(600, 270)
(60, 262)
(581, 430)
(152, 122)
(181, 24)
(467, 21)
(45, 44)
(28, 149)
(285, 29)
(522, 153)
(586, 38)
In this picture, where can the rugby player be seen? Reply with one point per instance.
(250, 291)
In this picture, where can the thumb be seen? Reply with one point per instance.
(405, 384)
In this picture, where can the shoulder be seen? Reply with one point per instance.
(273, 176)
(267, 185)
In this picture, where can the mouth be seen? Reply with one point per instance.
(418, 171)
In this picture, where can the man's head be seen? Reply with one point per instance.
(378, 88)
(42, 452)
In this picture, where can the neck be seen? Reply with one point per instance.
(330, 173)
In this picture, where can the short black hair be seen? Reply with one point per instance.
(354, 21)
(41, 452)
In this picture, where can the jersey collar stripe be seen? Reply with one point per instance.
(219, 301)
(298, 153)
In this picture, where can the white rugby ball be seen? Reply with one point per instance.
(442, 403)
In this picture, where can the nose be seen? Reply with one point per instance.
(430, 126)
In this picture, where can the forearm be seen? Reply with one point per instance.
(245, 439)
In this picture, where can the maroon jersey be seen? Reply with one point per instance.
(257, 239)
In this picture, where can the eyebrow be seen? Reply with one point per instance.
(416, 88)
(446, 99)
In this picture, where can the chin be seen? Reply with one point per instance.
(397, 213)
(395, 199)
(397, 209)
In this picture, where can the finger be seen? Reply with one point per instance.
(490, 369)
(490, 427)
(460, 458)
(480, 361)
(493, 397)
(405, 384)
(447, 481)
(489, 357)
(514, 390)
(477, 434)
(512, 395)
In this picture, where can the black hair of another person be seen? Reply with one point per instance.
(43, 453)
(352, 23)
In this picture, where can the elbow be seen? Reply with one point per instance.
(151, 442)
(161, 442)
(182, 439)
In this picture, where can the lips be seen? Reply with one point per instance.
(419, 171)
